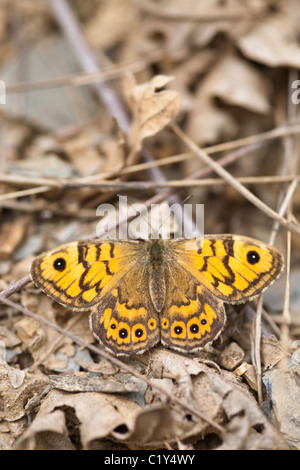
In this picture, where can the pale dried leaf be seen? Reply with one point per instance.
(282, 384)
(231, 356)
(237, 83)
(16, 388)
(152, 107)
(48, 432)
(247, 427)
(92, 384)
(98, 416)
(273, 42)
(111, 22)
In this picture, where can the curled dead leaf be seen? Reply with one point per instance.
(16, 388)
(151, 105)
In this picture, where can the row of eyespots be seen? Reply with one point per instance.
(195, 327)
(122, 330)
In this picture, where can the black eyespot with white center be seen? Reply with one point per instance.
(60, 264)
(123, 333)
(203, 321)
(178, 330)
(253, 257)
(194, 328)
(139, 332)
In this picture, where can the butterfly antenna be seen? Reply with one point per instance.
(139, 212)
(163, 221)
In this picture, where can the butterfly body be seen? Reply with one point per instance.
(142, 292)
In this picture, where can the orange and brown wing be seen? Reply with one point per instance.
(109, 279)
(192, 316)
(233, 268)
(125, 320)
(202, 274)
(78, 274)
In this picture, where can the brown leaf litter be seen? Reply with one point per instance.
(80, 128)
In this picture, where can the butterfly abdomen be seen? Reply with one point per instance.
(157, 289)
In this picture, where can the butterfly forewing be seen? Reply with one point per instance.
(78, 274)
(233, 268)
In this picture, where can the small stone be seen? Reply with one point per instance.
(232, 356)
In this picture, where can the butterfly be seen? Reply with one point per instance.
(142, 292)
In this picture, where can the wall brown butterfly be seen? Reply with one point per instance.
(143, 292)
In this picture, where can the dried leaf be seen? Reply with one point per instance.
(120, 14)
(91, 384)
(152, 107)
(16, 388)
(49, 432)
(282, 384)
(273, 42)
(231, 356)
(11, 234)
(237, 83)
(247, 427)
(208, 123)
(97, 416)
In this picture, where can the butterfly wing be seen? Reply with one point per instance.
(112, 279)
(125, 320)
(233, 268)
(106, 278)
(191, 318)
(202, 274)
(78, 274)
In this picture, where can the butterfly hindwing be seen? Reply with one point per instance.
(125, 320)
(188, 325)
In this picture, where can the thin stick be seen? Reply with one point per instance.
(24, 193)
(15, 286)
(113, 360)
(111, 72)
(225, 146)
(284, 207)
(257, 353)
(233, 182)
(199, 17)
(147, 185)
(286, 314)
(257, 356)
(250, 142)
